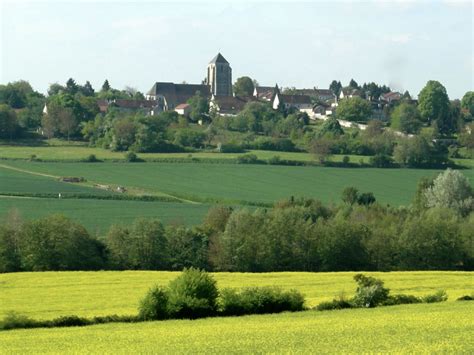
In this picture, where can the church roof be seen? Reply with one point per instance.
(219, 59)
(176, 94)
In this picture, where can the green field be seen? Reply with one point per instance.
(421, 328)
(414, 329)
(98, 215)
(233, 183)
(118, 292)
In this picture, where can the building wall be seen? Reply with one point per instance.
(220, 79)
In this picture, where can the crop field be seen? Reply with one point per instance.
(422, 328)
(233, 183)
(76, 152)
(118, 292)
(98, 215)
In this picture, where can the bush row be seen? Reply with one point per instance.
(372, 293)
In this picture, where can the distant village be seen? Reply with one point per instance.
(217, 89)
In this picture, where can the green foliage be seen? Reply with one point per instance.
(141, 246)
(57, 243)
(331, 126)
(199, 107)
(189, 138)
(354, 109)
(413, 152)
(393, 300)
(91, 159)
(131, 157)
(350, 195)
(187, 248)
(433, 104)
(451, 189)
(337, 303)
(439, 296)
(193, 294)
(406, 118)
(259, 300)
(381, 160)
(467, 102)
(466, 298)
(370, 291)
(247, 159)
(243, 86)
(154, 306)
(9, 125)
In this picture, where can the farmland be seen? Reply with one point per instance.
(421, 328)
(98, 215)
(101, 293)
(203, 182)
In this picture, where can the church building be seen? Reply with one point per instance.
(219, 76)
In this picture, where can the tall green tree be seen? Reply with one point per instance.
(467, 103)
(434, 107)
(406, 118)
(199, 107)
(243, 86)
(354, 109)
(9, 126)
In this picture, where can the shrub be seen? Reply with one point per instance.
(381, 160)
(247, 159)
(193, 294)
(275, 160)
(340, 302)
(91, 159)
(401, 299)
(260, 300)
(370, 291)
(154, 305)
(69, 321)
(439, 296)
(131, 157)
(346, 160)
(230, 148)
(14, 320)
(466, 298)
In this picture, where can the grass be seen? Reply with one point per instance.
(98, 215)
(232, 183)
(118, 292)
(74, 151)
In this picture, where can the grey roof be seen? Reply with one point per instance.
(176, 94)
(219, 59)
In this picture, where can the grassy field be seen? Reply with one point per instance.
(236, 182)
(98, 215)
(414, 329)
(118, 292)
(74, 152)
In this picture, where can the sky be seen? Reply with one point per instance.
(400, 43)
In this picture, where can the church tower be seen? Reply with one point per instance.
(219, 76)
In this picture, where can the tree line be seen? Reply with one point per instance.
(435, 232)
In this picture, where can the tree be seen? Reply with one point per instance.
(366, 198)
(71, 86)
(87, 89)
(350, 195)
(187, 248)
(9, 127)
(353, 84)
(451, 189)
(106, 85)
(55, 89)
(321, 148)
(141, 246)
(406, 118)
(123, 133)
(67, 122)
(413, 152)
(243, 86)
(467, 137)
(335, 87)
(467, 103)
(199, 107)
(57, 243)
(354, 109)
(331, 127)
(433, 104)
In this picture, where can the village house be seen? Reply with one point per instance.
(229, 105)
(300, 102)
(349, 93)
(265, 93)
(183, 109)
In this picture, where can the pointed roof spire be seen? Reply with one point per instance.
(219, 59)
